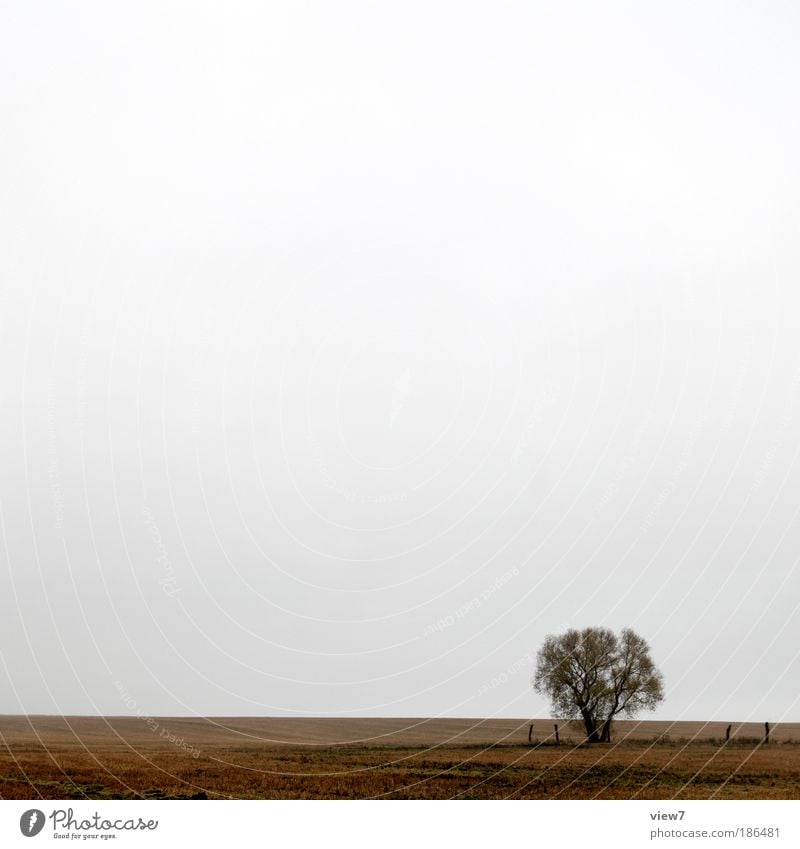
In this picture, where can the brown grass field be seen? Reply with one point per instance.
(47, 757)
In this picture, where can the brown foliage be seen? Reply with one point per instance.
(103, 764)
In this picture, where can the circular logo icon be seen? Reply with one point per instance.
(31, 822)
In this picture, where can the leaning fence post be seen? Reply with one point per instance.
(530, 732)
(766, 732)
(556, 727)
(728, 734)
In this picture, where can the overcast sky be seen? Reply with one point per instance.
(348, 349)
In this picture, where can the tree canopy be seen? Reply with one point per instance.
(594, 675)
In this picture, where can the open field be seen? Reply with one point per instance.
(168, 757)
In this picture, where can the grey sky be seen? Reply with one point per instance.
(349, 349)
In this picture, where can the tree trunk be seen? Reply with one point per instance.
(591, 728)
(605, 736)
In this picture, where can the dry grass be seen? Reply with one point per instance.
(96, 758)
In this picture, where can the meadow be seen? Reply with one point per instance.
(287, 758)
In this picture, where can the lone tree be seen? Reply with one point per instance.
(594, 675)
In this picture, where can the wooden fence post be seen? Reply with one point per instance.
(728, 734)
(530, 732)
(766, 732)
